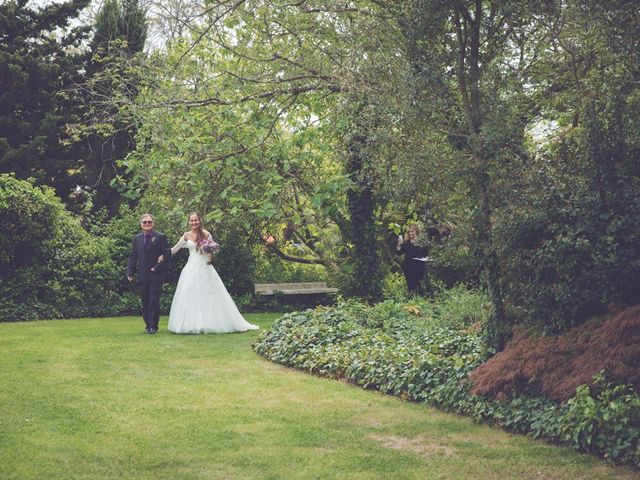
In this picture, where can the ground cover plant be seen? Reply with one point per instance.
(97, 399)
(426, 352)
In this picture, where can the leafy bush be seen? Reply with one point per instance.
(569, 243)
(604, 420)
(453, 261)
(51, 267)
(456, 308)
(394, 288)
(273, 269)
(118, 231)
(569, 259)
(235, 263)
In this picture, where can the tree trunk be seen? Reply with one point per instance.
(497, 326)
(366, 279)
(468, 73)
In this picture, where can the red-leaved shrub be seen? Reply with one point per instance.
(555, 366)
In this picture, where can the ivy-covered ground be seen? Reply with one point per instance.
(426, 352)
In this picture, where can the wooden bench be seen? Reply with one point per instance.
(293, 288)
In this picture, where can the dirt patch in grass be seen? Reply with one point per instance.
(555, 366)
(418, 445)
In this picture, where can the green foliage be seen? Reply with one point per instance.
(394, 288)
(570, 251)
(569, 239)
(605, 420)
(330, 341)
(117, 44)
(50, 266)
(428, 359)
(460, 307)
(40, 58)
(453, 260)
(108, 24)
(270, 173)
(269, 192)
(235, 262)
(125, 19)
(581, 261)
(118, 232)
(364, 273)
(272, 269)
(457, 308)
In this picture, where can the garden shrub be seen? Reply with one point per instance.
(568, 260)
(453, 260)
(569, 243)
(118, 231)
(394, 287)
(556, 366)
(51, 267)
(604, 418)
(272, 269)
(235, 262)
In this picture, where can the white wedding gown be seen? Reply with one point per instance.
(201, 303)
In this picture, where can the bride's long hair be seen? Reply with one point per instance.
(200, 232)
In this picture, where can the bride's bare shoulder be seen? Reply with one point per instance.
(207, 234)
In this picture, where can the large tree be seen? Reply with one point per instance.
(257, 165)
(40, 56)
(120, 34)
(261, 78)
(470, 58)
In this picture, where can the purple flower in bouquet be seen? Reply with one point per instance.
(210, 246)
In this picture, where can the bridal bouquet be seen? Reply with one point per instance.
(210, 246)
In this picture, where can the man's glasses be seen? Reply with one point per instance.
(146, 221)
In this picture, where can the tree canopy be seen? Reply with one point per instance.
(318, 129)
(40, 57)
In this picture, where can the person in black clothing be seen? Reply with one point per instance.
(414, 264)
(146, 247)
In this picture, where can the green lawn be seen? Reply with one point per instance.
(98, 399)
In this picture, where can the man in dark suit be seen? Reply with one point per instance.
(146, 247)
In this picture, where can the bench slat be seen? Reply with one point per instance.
(298, 292)
(300, 288)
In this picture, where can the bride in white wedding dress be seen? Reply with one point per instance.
(201, 303)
